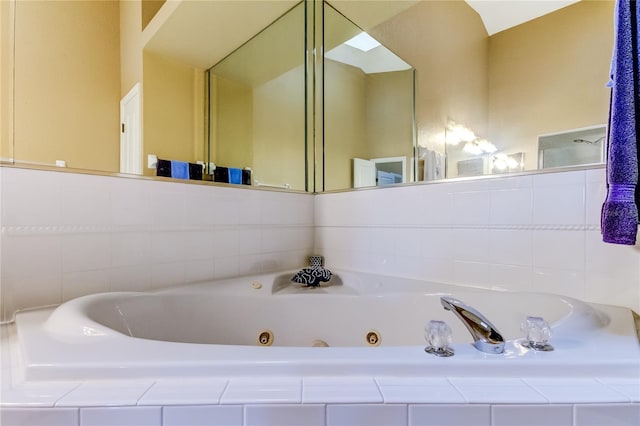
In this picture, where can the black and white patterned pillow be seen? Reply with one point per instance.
(312, 277)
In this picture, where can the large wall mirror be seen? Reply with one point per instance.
(467, 95)
(257, 106)
(500, 86)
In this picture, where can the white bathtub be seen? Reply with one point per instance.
(211, 329)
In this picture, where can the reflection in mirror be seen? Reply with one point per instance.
(257, 106)
(485, 96)
(575, 147)
(368, 102)
(66, 88)
(515, 87)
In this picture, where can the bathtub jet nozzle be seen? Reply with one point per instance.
(486, 337)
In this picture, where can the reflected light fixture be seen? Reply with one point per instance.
(503, 162)
(363, 41)
(456, 133)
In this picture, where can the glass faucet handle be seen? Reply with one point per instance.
(439, 337)
(538, 333)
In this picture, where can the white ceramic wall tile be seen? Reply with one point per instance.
(130, 278)
(437, 270)
(86, 252)
(104, 394)
(551, 179)
(130, 248)
(532, 415)
(560, 281)
(121, 416)
(436, 244)
(471, 273)
(167, 247)
(131, 202)
(366, 415)
(595, 194)
(497, 391)
(185, 392)
(499, 183)
(334, 209)
(198, 270)
(262, 391)
(411, 203)
(511, 206)
(406, 242)
(510, 247)
(612, 272)
(202, 416)
(406, 267)
(610, 414)
(85, 199)
(627, 386)
(339, 390)
(597, 175)
(449, 415)
(559, 249)
(250, 241)
(226, 267)
(224, 243)
(165, 275)
(76, 284)
(470, 208)
(31, 197)
(31, 272)
(435, 205)
(509, 277)
(471, 245)
(39, 416)
(575, 391)
(424, 390)
(35, 394)
(559, 205)
(284, 415)
(167, 205)
(198, 244)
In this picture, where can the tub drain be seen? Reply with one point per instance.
(265, 338)
(373, 338)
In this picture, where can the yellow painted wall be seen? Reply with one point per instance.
(279, 130)
(6, 80)
(149, 8)
(231, 123)
(445, 41)
(130, 45)
(345, 123)
(173, 99)
(536, 87)
(65, 54)
(389, 100)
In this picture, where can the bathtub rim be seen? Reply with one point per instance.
(36, 345)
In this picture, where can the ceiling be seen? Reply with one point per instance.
(201, 33)
(498, 15)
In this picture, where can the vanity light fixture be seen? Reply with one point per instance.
(503, 162)
(456, 133)
(472, 148)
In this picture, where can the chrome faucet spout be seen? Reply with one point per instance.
(486, 337)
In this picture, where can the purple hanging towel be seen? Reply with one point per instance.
(619, 221)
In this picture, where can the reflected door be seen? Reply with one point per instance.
(364, 173)
(130, 142)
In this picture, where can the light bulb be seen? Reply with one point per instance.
(472, 148)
